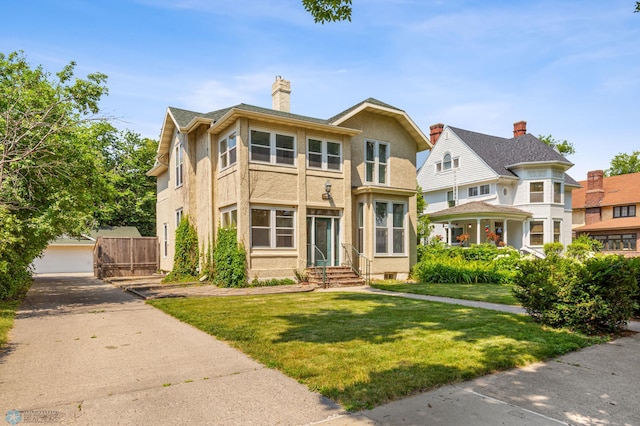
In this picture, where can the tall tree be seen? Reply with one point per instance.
(127, 158)
(328, 10)
(623, 164)
(51, 172)
(564, 146)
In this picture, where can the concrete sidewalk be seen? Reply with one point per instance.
(85, 352)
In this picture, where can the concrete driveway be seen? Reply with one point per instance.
(85, 352)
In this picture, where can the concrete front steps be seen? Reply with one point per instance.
(337, 276)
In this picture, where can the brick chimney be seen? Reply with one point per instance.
(519, 128)
(595, 188)
(281, 95)
(436, 131)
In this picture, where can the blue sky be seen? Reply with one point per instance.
(569, 68)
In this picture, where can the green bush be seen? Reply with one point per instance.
(583, 247)
(481, 263)
(186, 258)
(230, 259)
(593, 297)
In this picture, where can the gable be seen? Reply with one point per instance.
(472, 168)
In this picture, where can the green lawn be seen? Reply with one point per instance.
(7, 313)
(363, 350)
(493, 293)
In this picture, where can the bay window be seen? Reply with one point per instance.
(390, 225)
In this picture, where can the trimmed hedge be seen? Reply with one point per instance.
(595, 297)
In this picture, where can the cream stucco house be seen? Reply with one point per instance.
(300, 190)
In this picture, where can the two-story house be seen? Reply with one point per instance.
(511, 191)
(606, 209)
(299, 190)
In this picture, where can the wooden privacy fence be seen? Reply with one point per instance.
(125, 256)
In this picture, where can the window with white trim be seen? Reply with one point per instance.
(473, 191)
(485, 189)
(272, 147)
(390, 227)
(376, 162)
(557, 192)
(179, 160)
(165, 239)
(557, 230)
(229, 217)
(323, 154)
(227, 151)
(272, 227)
(536, 192)
(179, 214)
(536, 233)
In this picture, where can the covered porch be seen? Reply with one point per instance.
(480, 222)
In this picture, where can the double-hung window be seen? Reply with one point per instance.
(557, 231)
(473, 191)
(179, 161)
(272, 147)
(165, 239)
(557, 192)
(272, 227)
(325, 155)
(179, 214)
(536, 233)
(227, 150)
(376, 162)
(390, 228)
(229, 217)
(536, 192)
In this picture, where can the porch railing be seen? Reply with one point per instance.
(358, 262)
(312, 260)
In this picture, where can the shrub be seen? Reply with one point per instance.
(230, 259)
(186, 257)
(553, 250)
(583, 247)
(271, 282)
(592, 297)
(457, 271)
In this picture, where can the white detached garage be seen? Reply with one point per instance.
(75, 255)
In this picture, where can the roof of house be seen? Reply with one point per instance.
(617, 224)
(92, 236)
(476, 208)
(501, 154)
(618, 190)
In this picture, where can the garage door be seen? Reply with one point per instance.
(61, 259)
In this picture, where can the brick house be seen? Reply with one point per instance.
(606, 208)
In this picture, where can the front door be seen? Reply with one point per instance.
(323, 236)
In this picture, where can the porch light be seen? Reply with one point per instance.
(327, 191)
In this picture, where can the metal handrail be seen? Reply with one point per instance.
(324, 262)
(366, 273)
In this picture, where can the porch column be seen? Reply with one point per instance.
(477, 231)
(449, 232)
(504, 231)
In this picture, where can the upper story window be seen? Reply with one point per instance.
(325, 155)
(273, 148)
(624, 211)
(474, 191)
(227, 150)
(179, 161)
(448, 162)
(377, 162)
(536, 192)
(179, 215)
(557, 192)
(485, 189)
